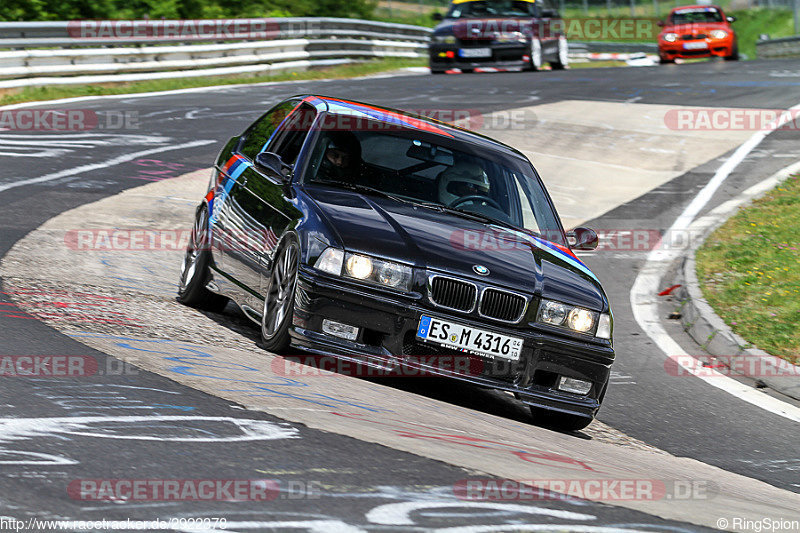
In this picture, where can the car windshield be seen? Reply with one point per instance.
(489, 8)
(433, 171)
(689, 16)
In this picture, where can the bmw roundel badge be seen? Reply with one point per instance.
(481, 270)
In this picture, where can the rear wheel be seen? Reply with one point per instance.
(562, 59)
(559, 421)
(279, 298)
(195, 272)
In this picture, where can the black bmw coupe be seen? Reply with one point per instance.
(385, 238)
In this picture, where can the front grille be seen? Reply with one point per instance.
(690, 37)
(502, 305)
(453, 294)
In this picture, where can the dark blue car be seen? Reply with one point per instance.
(381, 237)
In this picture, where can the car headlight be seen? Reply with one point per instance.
(670, 37)
(718, 34)
(574, 318)
(359, 266)
(366, 269)
(444, 39)
(510, 37)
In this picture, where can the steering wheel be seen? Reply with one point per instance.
(476, 198)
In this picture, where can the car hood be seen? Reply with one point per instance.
(483, 28)
(442, 242)
(695, 28)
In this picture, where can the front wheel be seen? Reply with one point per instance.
(195, 272)
(279, 298)
(734, 53)
(559, 421)
(535, 55)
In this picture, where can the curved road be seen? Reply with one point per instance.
(352, 481)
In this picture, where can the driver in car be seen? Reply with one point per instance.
(342, 161)
(462, 180)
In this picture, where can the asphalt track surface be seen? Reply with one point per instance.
(682, 416)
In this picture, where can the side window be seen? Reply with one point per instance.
(289, 139)
(257, 136)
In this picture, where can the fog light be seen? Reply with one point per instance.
(575, 386)
(337, 329)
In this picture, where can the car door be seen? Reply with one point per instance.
(232, 229)
(264, 211)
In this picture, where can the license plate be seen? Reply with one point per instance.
(475, 52)
(695, 46)
(473, 340)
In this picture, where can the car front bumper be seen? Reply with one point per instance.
(387, 337)
(721, 48)
(504, 55)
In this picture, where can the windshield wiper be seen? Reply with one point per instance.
(471, 215)
(361, 188)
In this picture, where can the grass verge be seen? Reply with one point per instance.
(29, 94)
(749, 271)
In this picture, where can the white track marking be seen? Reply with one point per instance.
(12, 429)
(312, 526)
(572, 528)
(97, 166)
(399, 514)
(644, 302)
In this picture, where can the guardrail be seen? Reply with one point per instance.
(85, 52)
(778, 48)
(137, 50)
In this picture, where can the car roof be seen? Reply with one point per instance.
(408, 120)
(695, 6)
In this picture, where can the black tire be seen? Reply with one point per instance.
(195, 272)
(562, 58)
(734, 54)
(437, 71)
(536, 53)
(662, 61)
(276, 316)
(467, 70)
(559, 421)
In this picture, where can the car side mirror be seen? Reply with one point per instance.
(272, 164)
(437, 16)
(661, 23)
(582, 239)
(730, 18)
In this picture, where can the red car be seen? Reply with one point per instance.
(697, 31)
